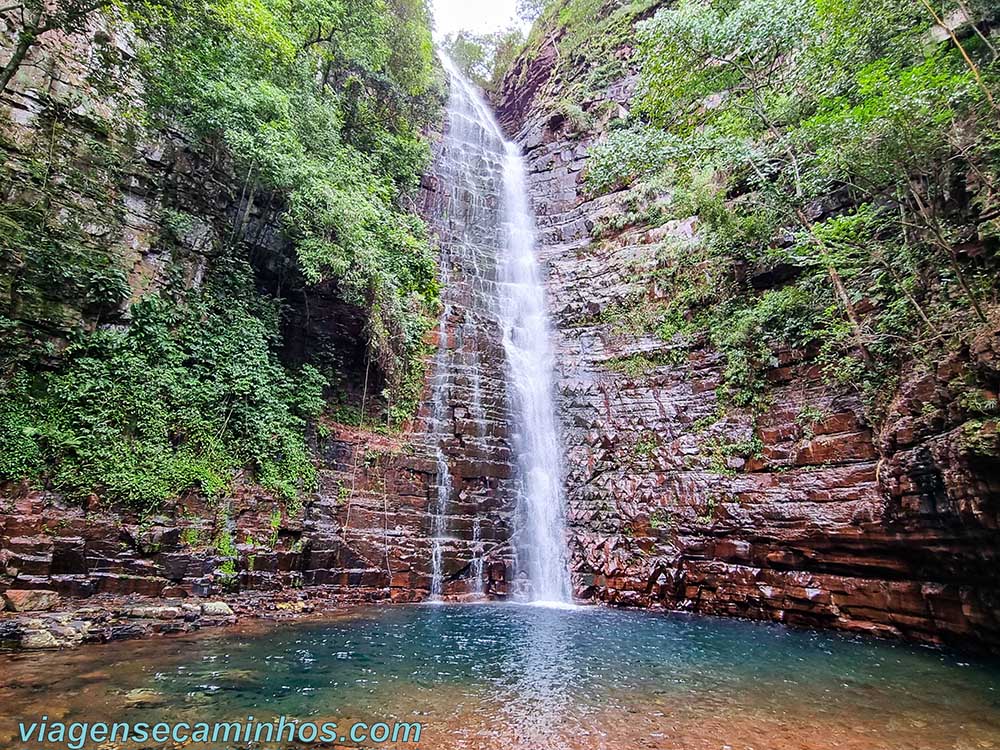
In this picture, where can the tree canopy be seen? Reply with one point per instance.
(484, 58)
(318, 107)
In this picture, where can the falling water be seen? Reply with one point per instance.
(477, 556)
(527, 343)
(510, 285)
(439, 408)
(470, 164)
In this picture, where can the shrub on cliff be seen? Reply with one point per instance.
(837, 141)
(142, 382)
(188, 392)
(324, 103)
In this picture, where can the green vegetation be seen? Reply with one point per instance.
(485, 58)
(638, 365)
(835, 151)
(661, 520)
(342, 146)
(721, 452)
(140, 386)
(708, 516)
(631, 154)
(808, 418)
(645, 447)
(225, 547)
(343, 494)
(275, 523)
(588, 36)
(176, 400)
(191, 536)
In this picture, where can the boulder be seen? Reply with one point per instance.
(30, 600)
(216, 609)
(41, 640)
(155, 613)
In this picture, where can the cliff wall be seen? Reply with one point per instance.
(160, 209)
(807, 514)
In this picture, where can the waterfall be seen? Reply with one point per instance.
(498, 249)
(527, 338)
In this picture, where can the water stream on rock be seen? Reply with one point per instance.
(498, 243)
(470, 166)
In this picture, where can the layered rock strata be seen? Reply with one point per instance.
(464, 427)
(823, 522)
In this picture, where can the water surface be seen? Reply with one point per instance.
(511, 676)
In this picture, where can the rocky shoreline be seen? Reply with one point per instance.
(40, 620)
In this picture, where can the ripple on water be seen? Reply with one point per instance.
(531, 677)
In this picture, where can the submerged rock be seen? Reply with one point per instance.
(144, 698)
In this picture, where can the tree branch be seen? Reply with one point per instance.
(64, 19)
(968, 60)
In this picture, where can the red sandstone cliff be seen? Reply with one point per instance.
(888, 529)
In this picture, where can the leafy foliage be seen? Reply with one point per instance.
(484, 58)
(176, 401)
(631, 154)
(530, 10)
(142, 391)
(588, 37)
(323, 102)
(826, 141)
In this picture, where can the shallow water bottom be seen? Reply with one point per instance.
(504, 676)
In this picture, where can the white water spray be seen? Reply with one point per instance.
(470, 165)
(527, 343)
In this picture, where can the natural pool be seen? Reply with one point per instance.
(512, 676)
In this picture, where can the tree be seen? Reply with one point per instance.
(471, 54)
(828, 137)
(318, 106)
(530, 10)
(484, 58)
(743, 55)
(317, 103)
(899, 146)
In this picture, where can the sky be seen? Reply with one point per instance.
(478, 16)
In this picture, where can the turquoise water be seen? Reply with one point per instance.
(501, 676)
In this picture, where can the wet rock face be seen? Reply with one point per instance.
(362, 536)
(833, 524)
(82, 550)
(30, 600)
(463, 429)
(824, 522)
